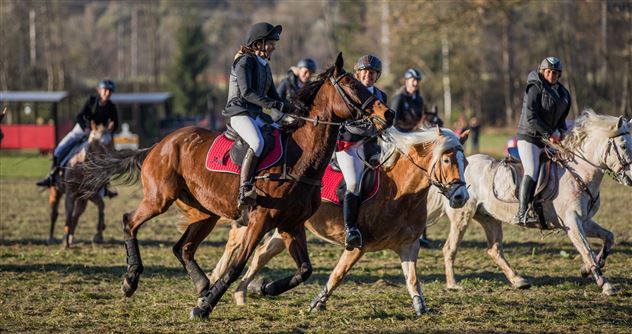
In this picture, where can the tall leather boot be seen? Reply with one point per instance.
(49, 181)
(350, 208)
(527, 189)
(247, 194)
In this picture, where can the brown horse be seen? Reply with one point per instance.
(99, 144)
(394, 219)
(173, 171)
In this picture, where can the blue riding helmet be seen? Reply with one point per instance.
(412, 73)
(107, 84)
(307, 63)
(552, 63)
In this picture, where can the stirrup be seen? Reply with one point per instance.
(353, 238)
(247, 197)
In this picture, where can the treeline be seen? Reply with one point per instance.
(474, 55)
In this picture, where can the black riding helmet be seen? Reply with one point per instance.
(107, 84)
(263, 31)
(308, 63)
(369, 62)
(552, 63)
(412, 73)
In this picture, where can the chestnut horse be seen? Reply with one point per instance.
(394, 219)
(173, 171)
(596, 145)
(99, 144)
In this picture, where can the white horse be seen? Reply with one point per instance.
(596, 145)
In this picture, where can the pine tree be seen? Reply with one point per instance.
(187, 81)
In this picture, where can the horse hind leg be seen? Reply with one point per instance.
(594, 230)
(494, 233)
(408, 257)
(98, 236)
(184, 250)
(345, 263)
(53, 200)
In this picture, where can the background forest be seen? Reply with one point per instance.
(475, 55)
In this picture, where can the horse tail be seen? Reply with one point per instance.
(123, 167)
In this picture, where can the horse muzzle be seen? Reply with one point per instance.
(458, 195)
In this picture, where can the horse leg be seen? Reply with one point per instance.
(271, 246)
(80, 207)
(577, 235)
(459, 220)
(594, 230)
(408, 256)
(69, 205)
(345, 263)
(494, 232)
(234, 237)
(53, 199)
(184, 250)
(296, 244)
(253, 234)
(98, 201)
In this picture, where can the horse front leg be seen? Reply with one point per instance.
(296, 244)
(69, 205)
(408, 256)
(207, 303)
(271, 246)
(594, 230)
(459, 220)
(98, 236)
(577, 235)
(53, 200)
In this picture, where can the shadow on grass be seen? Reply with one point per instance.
(526, 247)
(107, 242)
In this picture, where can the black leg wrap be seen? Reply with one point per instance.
(280, 286)
(198, 277)
(319, 302)
(598, 276)
(134, 263)
(419, 305)
(601, 258)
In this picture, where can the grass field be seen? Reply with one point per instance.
(50, 289)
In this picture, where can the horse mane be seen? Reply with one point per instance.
(304, 97)
(403, 141)
(590, 123)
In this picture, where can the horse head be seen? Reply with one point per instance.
(354, 101)
(604, 142)
(439, 154)
(101, 135)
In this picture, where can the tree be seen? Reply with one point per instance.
(190, 63)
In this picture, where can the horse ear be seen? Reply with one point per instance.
(110, 125)
(93, 126)
(339, 64)
(438, 130)
(463, 137)
(620, 122)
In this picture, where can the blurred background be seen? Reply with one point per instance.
(474, 55)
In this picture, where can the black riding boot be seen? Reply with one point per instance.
(350, 208)
(527, 189)
(423, 241)
(247, 194)
(49, 181)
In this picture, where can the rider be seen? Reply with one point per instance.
(350, 151)
(408, 104)
(544, 109)
(297, 77)
(251, 89)
(97, 108)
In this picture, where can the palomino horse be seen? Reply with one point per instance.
(596, 145)
(394, 219)
(173, 171)
(99, 144)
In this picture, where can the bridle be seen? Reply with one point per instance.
(356, 111)
(619, 174)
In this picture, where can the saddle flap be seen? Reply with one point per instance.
(334, 186)
(508, 176)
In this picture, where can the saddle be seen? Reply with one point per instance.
(227, 152)
(334, 186)
(508, 177)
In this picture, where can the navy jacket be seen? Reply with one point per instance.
(92, 110)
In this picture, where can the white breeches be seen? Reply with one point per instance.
(530, 157)
(351, 166)
(249, 131)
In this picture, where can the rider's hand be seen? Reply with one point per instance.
(555, 137)
(283, 118)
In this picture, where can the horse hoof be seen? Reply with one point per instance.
(240, 297)
(584, 271)
(454, 287)
(419, 306)
(318, 307)
(199, 314)
(257, 286)
(608, 289)
(128, 287)
(97, 239)
(522, 284)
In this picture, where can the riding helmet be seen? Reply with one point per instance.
(263, 31)
(107, 84)
(308, 63)
(369, 62)
(412, 73)
(553, 63)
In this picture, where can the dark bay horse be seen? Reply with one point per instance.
(394, 219)
(173, 171)
(99, 144)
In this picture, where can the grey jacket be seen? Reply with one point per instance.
(250, 88)
(544, 109)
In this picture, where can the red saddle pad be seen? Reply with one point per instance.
(332, 179)
(218, 157)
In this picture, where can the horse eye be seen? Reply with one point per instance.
(446, 161)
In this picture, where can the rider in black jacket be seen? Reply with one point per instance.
(408, 103)
(297, 76)
(545, 106)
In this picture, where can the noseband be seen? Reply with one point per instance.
(620, 173)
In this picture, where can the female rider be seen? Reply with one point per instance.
(544, 109)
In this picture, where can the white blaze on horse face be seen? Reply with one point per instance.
(460, 160)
